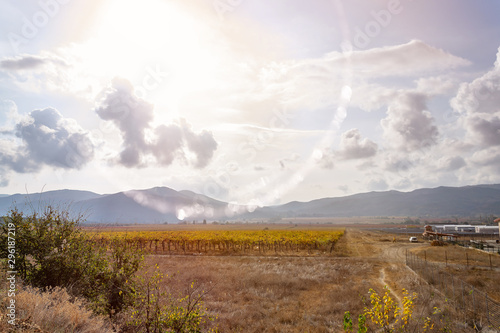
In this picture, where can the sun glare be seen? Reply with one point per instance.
(131, 36)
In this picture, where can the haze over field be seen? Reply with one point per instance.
(249, 102)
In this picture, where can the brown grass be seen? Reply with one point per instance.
(53, 311)
(458, 255)
(427, 302)
(475, 271)
(274, 294)
(304, 294)
(280, 293)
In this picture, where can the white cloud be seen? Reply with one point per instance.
(47, 138)
(21, 63)
(436, 85)
(131, 115)
(410, 59)
(478, 105)
(408, 125)
(352, 146)
(369, 97)
(203, 144)
(395, 162)
(487, 158)
(378, 184)
(451, 163)
(318, 83)
(325, 159)
(484, 130)
(479, 96)
(486, 165)
(165, 143)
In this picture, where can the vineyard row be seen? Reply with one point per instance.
(201, 246)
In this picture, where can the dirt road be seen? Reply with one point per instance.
(388, 252)
(378, 245)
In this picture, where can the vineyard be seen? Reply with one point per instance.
(246, 242)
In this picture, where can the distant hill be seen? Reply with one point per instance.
(36, 201)
(163, 204)
(155, 205)
(435, 202)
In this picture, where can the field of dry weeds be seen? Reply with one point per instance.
(305, 294)
(290, 294)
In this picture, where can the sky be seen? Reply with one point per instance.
(249, 102)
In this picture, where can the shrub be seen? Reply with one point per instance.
(52, 251)
(383, 314)
(156, 310)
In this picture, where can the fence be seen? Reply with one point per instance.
(462, 256)
(476, 306)
(487, 247)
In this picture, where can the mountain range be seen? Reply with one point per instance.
(163, 204)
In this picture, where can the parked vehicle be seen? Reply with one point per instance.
(413, 239)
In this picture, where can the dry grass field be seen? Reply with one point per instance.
(478, 268)
(274, 294)
(304, 294)
(283, 293)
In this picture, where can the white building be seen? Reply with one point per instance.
(465, 228)
(449, 227)
(484, 229)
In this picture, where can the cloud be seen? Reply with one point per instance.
(486, 131)
(353, 147)
(378, 185)
(325, 158)
(478, 105)
(448, 163)
(398, 163)
(436, 85)
(132, 116)
(3, 178)
(369, 97)
(165, 143)
(487, 157)
(9, 109)
(318, 83)
(410, 59)
(47, 138)
(62, 70)
(203, 145)
(481, 95)
(408, 125)
(23, 62)
(27, 62)
(168, 143)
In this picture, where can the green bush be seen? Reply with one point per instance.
(52, 251)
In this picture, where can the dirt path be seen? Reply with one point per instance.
(389, 256)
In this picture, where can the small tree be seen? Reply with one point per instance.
(386, 316)
(52, 251)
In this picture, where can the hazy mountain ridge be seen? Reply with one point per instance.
(163, 204)
(435, 202)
